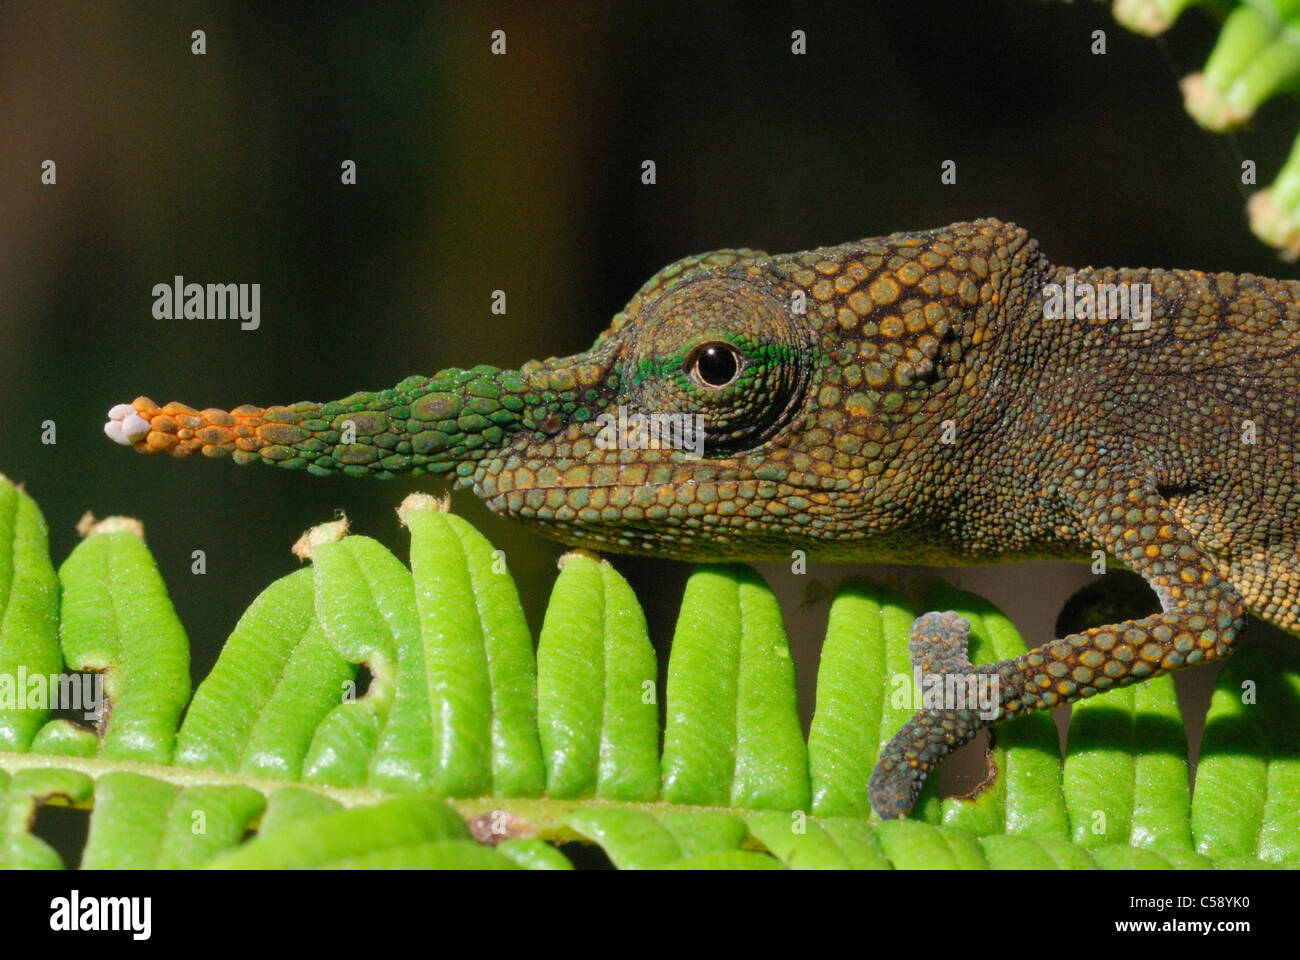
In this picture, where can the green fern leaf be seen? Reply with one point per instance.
(465, 752)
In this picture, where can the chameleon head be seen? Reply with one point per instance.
(741, 404)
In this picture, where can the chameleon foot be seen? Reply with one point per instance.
(937, 646)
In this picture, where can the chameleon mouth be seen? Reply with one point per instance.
(686, 509)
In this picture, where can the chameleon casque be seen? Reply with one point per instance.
(900, 399)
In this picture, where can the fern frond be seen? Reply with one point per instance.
(465, 751)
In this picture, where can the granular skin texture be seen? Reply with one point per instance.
(901, 399)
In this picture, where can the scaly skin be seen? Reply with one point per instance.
(920, 409)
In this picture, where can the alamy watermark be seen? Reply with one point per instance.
(179, 300)
(652, 431)
(1082, 300)
(947, 691)
(70, 692)
(75, 913)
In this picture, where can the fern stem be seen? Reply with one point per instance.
(541, 817)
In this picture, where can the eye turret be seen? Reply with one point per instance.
(724, 347)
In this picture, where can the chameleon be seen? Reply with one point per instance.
(917, 398)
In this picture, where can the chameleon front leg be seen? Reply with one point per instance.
(1201, 615)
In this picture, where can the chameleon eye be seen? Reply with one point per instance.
(714, 365)
(725, 349)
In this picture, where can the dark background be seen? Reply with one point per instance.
(478, 172)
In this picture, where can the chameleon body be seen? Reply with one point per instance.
(899, 399)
